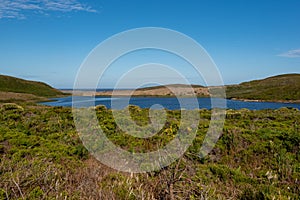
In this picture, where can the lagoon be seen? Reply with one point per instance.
(170, 103)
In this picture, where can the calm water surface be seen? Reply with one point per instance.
(171, 103)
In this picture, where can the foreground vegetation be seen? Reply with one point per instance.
(42, 157)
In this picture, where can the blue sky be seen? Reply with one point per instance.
(48, 40)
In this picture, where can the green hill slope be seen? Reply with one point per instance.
(16, 85)
(277, 88)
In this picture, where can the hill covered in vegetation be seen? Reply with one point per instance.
(17, 85)
(284, 87)
(16, 89)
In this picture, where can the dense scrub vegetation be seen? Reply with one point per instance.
(16, 85)
(277, 88)
(42, 157)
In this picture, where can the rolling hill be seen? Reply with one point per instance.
(284, 87)
(17, 85)
(12, 89)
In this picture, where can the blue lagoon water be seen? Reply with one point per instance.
(170, 103)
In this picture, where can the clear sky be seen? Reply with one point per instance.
(48, 40)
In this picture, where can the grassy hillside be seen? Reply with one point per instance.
(16, 85)
(278, 88)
